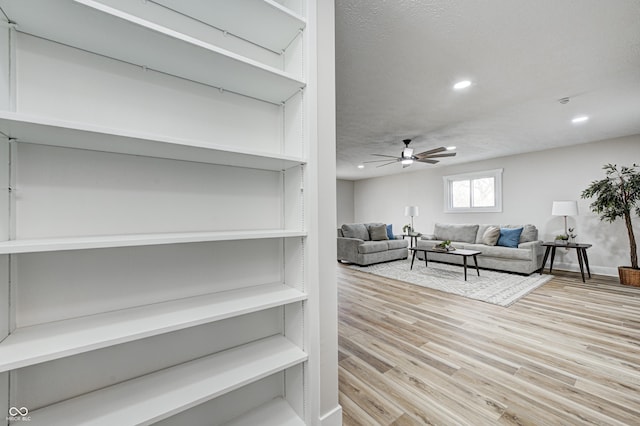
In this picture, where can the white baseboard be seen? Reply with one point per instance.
(598, 270)
(332, 418)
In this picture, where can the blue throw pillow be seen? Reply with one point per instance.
(390, 232)
(509, 237)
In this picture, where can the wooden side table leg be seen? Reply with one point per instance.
(544, 261)
(580, 263)
(412, 259)
(425, 260)
(475, 260)
(553, 256)
(586, 261)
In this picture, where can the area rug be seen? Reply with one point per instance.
(498, 288)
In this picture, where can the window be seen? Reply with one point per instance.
(473, 192)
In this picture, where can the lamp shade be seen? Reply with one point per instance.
(411, 211)
(564, 208)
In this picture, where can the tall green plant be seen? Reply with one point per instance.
(618, 195)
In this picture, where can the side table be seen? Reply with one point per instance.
(414, 238)
(581, 249)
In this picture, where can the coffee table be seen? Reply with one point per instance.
(458, 252)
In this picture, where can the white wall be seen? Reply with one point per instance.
(345, 197)
(531, 182)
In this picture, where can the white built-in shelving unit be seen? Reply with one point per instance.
(154, 212)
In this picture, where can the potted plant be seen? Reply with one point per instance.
(407, 229)
(618, 195)
(562, 239)
(444, 246)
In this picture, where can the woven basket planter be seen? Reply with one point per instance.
(629, 276)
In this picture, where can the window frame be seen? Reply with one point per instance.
(496, 174)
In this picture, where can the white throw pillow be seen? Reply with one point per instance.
(491, 236)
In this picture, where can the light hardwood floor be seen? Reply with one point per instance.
(566, 354)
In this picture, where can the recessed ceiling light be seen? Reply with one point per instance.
(580, 119)
(451, 148)
(462, 84)
(361, 166)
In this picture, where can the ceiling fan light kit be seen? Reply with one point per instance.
(407, 157)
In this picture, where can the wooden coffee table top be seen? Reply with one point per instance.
(459, 252)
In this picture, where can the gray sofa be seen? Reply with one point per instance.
(355, 245)
(526, 258)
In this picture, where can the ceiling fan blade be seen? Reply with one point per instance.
(446, 154)
(431, 151)
(382, 155)
(426, 160)
(404, 166)
(378, 161)
(386, 164)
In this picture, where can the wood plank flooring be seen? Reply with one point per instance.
(566, 354)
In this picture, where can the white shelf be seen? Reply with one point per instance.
(40, 343)
(159, 395)
(274, 413)
(110, 241)
(84, 23)
(263, 22)
(44, 131)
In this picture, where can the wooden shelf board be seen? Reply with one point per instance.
(83, 24)
(44, 131)
(276, 412)
(265, 23)
(132, 240)
(159, 395)
(45, 342)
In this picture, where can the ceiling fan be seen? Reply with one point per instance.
(407, 157)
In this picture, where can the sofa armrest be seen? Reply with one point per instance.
(534, 246)
(348, 248)
(428, 237)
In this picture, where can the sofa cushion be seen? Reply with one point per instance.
(378, 233)
(397, 244)
(500, 252)
(390, 232)
(456, 232)
(373, 247)
(509, 237)
(491, 236)
(355, 230)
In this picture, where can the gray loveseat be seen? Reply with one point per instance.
(356, 245)
(526, 258)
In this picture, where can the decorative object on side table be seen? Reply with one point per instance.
(562, 239)
(618, 195)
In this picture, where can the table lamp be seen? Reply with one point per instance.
(411, 211)
(565, 208)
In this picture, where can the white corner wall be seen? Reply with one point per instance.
(531, 182)
(345, 198)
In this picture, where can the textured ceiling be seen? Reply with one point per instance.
(396, 62)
